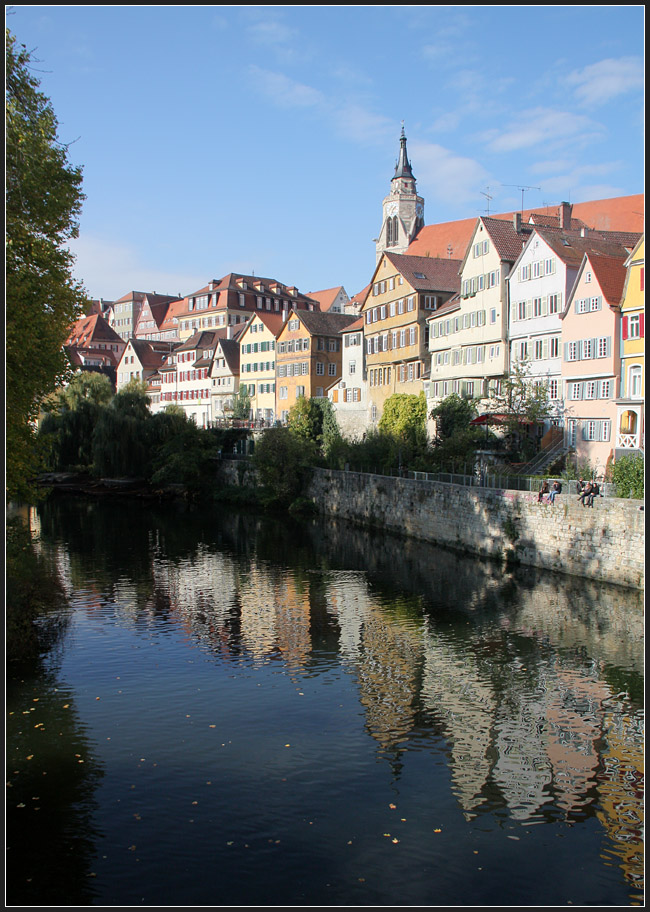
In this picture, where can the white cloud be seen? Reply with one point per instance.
(543, 127)
(109, 270)
(272, 33)
(600, 82)
(286, 92)
(444, 176)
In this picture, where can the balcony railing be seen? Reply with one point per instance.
(627, 441)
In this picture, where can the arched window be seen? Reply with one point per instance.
(628, 422)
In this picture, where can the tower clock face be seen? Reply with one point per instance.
(392, 209)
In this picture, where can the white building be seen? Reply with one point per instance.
(349, 394)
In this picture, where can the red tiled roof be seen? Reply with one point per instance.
(91, 329)
(356, 326)
(624, 213)
(427, 273)
(327, 297)
(611, 274)
(325, 324)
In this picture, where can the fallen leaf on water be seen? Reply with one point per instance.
(393, 806)
(437, 831)
(395, 840)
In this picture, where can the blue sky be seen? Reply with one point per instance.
(262, 139)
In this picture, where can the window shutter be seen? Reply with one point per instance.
(624, 327)
(641, 322)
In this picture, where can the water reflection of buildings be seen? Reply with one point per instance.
(508, 671)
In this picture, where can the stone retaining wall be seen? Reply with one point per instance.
(606, 542)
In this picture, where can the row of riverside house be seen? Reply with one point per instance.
(450, 308)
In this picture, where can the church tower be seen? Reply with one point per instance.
(403, 208)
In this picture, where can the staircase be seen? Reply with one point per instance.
(544, 458)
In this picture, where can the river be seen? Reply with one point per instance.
(245, 710)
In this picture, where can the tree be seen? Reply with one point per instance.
(241, 407)
(282, 460)
(71, 414)
(305, 420)
(452, 416)
(404, 418)
(43, 202)
(523, 401)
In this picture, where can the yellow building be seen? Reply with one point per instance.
(630, 430)
(257, 346)
(404, 292)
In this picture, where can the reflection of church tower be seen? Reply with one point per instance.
(403, 208)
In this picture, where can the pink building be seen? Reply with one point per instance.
(591, 358)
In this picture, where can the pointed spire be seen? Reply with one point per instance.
(403, 167)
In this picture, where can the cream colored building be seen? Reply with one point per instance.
(404, 291)
(257, 346)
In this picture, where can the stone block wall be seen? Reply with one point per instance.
(606, 542)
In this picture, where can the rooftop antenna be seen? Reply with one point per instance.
(519, 187)
(486, 194)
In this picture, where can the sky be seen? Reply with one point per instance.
(262, 139)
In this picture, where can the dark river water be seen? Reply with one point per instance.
(247, 711)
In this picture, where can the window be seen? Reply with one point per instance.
(596, 430)
(553, 389)
(320, 368)
(331, 370)
(352, 367)
(634, 327)
(635, 385)
(554, 347)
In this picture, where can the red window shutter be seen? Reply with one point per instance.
(625, 328)
(641, 326)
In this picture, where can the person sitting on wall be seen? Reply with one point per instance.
(555, 490)
(543, 491)
(584, 495)
(594, 492)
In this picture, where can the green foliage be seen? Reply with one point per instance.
(305, 420)
(452, 416)
(71, 414)
(282, 460)
(522, 400)
(119, 443)
(42, 204)
(241, 407)
(628, 476)
(187, 457)
(314, 420)
(404, 418)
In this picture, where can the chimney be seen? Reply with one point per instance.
(565, 215)
(516, 222)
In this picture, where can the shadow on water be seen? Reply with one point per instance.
(52, 777)
(529, 686)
